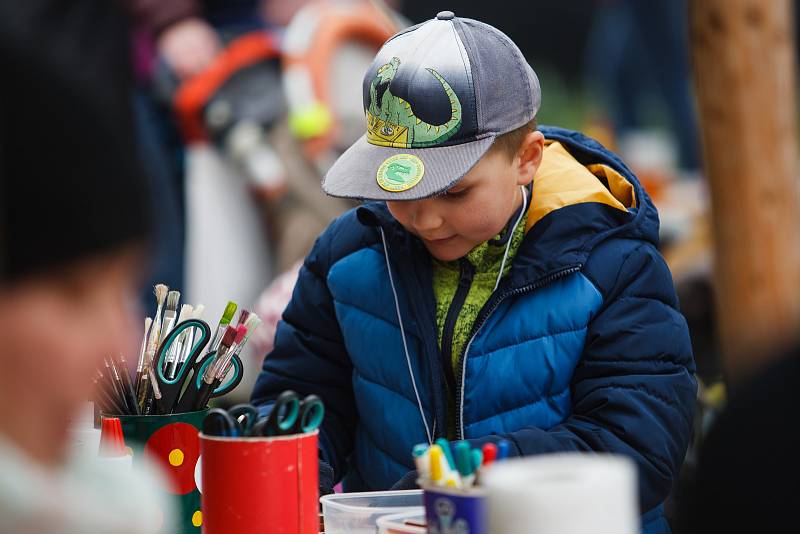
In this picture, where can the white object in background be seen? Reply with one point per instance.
(84, 437)
(570, 493)
(227, 253)
(83, 496)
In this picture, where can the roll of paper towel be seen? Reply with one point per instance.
(570, 493)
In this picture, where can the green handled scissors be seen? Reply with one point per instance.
(291, 415)
(181, 391)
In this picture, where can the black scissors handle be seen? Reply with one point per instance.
(218, 422)
(236, 422)
(291, 415)
(171, 387)
(198, 392)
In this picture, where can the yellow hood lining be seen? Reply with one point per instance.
(562, 181)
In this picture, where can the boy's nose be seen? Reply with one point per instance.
(425, 217)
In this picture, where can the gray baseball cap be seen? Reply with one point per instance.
(436, 96)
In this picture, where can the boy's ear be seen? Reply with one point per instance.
(529, 156)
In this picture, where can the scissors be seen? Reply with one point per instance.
(181, 392)
(236, 422)
(291, 415)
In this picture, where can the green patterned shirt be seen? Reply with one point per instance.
(485, 260)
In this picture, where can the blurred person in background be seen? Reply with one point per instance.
(637, 59)
(75, 221)
(747, 474)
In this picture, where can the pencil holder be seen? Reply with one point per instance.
(171, 442)
(453, 511)
(260, 484)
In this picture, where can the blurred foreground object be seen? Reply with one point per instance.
(744, 70)
(75, 215)
(747, 475)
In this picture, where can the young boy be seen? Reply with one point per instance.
(507, 284)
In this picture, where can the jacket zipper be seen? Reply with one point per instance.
(483, 316)
(465, 277)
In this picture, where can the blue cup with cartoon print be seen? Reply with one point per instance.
(454, 511)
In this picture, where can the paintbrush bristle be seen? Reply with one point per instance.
(230, 335)
(186, 312)
(241, 331)
(253, 321)
(230, 309)
(160, 291)
(173, 297)
(243, 315)
(198, 311)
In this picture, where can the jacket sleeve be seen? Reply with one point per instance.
(309, 357)
(633, 392)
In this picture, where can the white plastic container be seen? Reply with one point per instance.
(397, 523)
(358, 513)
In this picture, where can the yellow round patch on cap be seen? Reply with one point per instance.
(400, 172)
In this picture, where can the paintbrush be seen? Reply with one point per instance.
(198, 312)
(224, 321)
(107, 387)
(223, 360)
(252, 322)
(177, 349)
(170, 314)
(108, 404)
(127, 384)
(140, 371)
(188, 345)
(160, 291)
(116, 382)
(207, 383)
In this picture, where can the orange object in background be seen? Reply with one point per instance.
(194, 94)
(112, 443)
(255, 485)
(311, 40)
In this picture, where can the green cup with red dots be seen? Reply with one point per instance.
(171, 441)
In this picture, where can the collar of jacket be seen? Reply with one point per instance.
(563, 238)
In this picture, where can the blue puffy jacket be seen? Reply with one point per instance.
(581, 347)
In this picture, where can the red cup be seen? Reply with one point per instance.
(260, 484)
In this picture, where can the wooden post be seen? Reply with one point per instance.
(744, 71)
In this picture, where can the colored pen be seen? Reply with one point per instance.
(489, 453)
(448, 453)
(477, 459)
(452, 477)
(437, 461)
(503, 448)
(463, 458)
(422, 461)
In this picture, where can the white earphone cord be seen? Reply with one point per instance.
(403, 335)
(511, 237)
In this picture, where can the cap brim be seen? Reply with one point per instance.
(354, 175)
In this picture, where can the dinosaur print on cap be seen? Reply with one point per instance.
(391, 120)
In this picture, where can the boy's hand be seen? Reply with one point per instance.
(325, 479)
(409, 481)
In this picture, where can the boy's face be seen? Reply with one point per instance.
(476, 208)
(55, 331)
